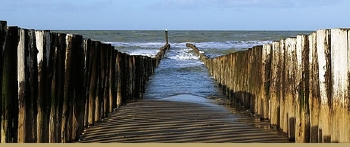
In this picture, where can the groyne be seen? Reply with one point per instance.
(300, 84)
(53, 85)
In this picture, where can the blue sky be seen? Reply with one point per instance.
(176, 14)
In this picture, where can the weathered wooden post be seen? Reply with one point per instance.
(249, 92)
(302, 130)
(31, 102)
(112, 80)
(57, 86)
(65, 135)
(131, 79)
(137, 88)
(115, 82)
(257, 82)
(227, 75)
(104, 77)
(142, 74)
(325, 80)
(128, 79)
(80, 87)
(27, 87)
(281, 87)
(125, 79)
(340, 70)
(237, 81)
(3, 33)
(41, 73)
(9, 112)
(98, 98)
(314, 86)
(87, 66)
(22, 86)
(52, 86)
(265, 74)
(71, 111)
(250, 85)
(166, 36)
(93, 82)
(62, 47)
(289, 83)
(274, 88)
(232, 71)
(43, 47)
(119, 79)
(246, 96)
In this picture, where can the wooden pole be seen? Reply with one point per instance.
(52, 80)
(123, 73)
(98, 98)
(41, 73)
(78, 101)
(87, 66)
(302, 127)
(131, 78)
(47, 85)
(93, 82)
(289, 83)
(104, 78)
(324, 66)
(281, 87)
(22, 87)
(71, 111)
(43, 47)
(137, 87)
(111, 80)
(266, 80)
(119, 79)
(340, 69)
(314, 91)
(31, 103)
(166, 37)
(274, 86)
(61, 84)
(26, 115)
(9, 102)
(3, 33)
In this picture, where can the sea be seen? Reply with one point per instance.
(181, 76)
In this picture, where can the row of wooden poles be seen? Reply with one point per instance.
(300, 84)
(55, 85)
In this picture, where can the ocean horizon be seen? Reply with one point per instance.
(212, 42)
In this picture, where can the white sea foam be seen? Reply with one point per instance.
(184, 57)
(183, 54)
(151, 48)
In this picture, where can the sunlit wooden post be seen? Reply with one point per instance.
(166, 36)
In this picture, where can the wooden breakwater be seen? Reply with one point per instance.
(301, 84)
(54, 85)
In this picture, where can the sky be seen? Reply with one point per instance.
(176, 14)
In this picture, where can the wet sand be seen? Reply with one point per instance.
(174, 120)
